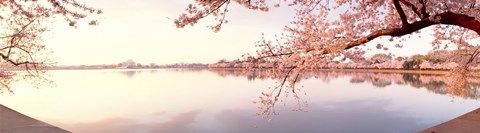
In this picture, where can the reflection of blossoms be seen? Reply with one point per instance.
(436, 83)
(433, 82)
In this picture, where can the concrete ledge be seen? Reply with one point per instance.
(467, 123)
(12, 121)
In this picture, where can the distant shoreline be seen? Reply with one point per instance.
(436, 72)
(236, 68)
(127, 68)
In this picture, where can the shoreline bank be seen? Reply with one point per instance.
(436, 72)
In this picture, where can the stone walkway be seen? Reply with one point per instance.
(467, 123)
(12, 121)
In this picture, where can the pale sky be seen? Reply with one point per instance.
(142, 31)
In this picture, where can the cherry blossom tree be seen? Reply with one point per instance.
(22, 23)
(315, 37)
(328, 30)
(439, 56)
(426, 65)
(380, 58)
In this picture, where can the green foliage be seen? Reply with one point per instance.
(413, 80)
(414, 62)
(380, 58)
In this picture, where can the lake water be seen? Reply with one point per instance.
(227, 101)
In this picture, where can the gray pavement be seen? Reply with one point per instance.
(467, 123)
(12, 121)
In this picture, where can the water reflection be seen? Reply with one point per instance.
(250, 75)
(129, 74)
(432, 82)
(347, 116)
(218, 101)
(186, 69)
(280, 95)
(180, 123)
(367, 116)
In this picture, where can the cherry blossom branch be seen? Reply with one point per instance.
(14, 44)
(20, 32)
(420, 13)
(194, 14)
(279, 88)
(284, 80)
(448, 18)
(401, 13)
(9, 36)
(423, 9)
(226, 2)
(474, 55)
(6, 58)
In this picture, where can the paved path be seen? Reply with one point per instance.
(467, 123)
(12, 121)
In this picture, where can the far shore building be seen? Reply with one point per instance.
(128, 64)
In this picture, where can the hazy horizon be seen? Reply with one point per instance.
(144, 31)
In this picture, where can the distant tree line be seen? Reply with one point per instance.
(130, 64)
(434, 60)
(186, 65)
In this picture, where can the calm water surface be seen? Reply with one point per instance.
(226, 101)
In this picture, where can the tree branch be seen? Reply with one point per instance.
(19, 33)
(420, 13)
(448, 18)
(6, 58)
(216, 8)
(423, 9)
(400, 12)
